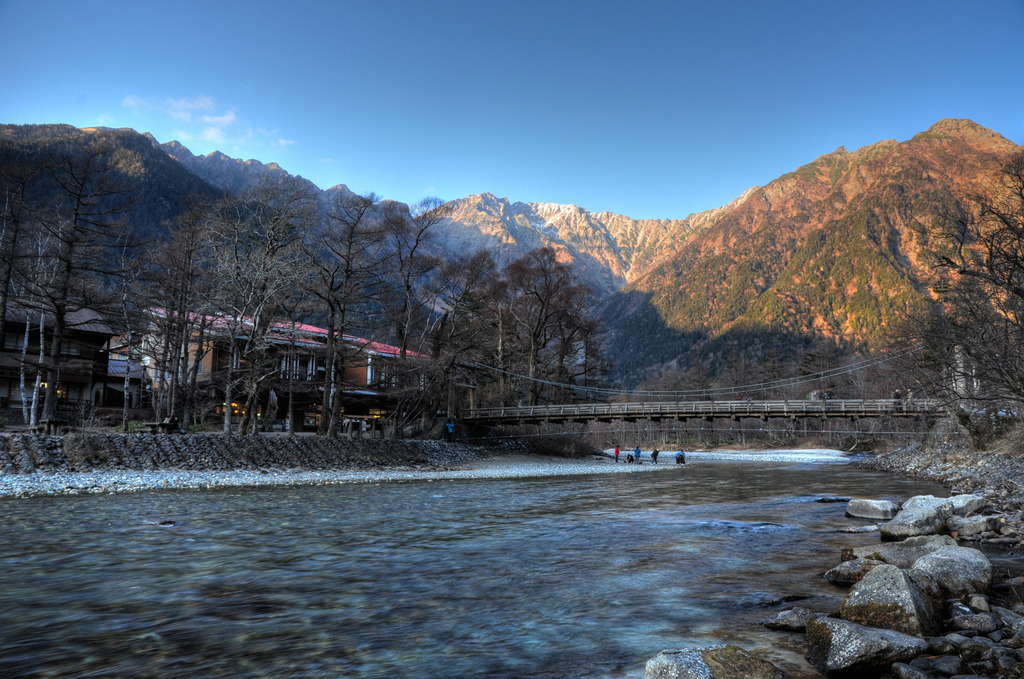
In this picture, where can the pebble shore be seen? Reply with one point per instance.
(75, 483)
(51, 474)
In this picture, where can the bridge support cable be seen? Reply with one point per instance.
(604, 393)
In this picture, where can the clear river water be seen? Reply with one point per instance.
(573, 576)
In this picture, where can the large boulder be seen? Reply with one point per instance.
(713, 662)
(903, 554)
(845, 649)
(928, 515)
(882, 510)
(888, 599)
(920, 515)
(967, 504)
(956, 570)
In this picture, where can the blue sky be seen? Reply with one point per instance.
(648, 109)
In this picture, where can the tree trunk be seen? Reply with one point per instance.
(227, 402)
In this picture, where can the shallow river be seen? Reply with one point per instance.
(581, 576)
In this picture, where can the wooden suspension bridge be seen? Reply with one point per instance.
(706, 410)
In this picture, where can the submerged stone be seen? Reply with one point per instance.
(792, 620)
(713, 662)
(872, 509)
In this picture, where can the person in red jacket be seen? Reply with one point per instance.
(616, 454)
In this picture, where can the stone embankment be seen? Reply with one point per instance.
(28, 453)
(32, 464)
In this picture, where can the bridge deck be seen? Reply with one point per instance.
(683, 410)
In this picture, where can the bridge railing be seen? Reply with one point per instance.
(661, 409)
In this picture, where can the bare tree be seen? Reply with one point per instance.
(16, 177)
(81, 232)
(345, 253)
(256, 256)
(460, 332)
(973, 338)
(544, 295)
(409, 233)
(177, 298)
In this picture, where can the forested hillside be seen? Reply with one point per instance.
(835, 251)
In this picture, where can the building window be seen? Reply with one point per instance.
(14, 341)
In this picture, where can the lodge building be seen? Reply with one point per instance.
(99, 371)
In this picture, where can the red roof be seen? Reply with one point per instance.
(284, 331)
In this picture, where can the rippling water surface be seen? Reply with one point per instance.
(583, 576)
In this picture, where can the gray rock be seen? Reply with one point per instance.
(941, 646)
(872, 509)
(850, 572)
(904, 554)
(973, 648)
(791, 620)
(1010, 619)
(837, 646)
(920, 515)
(978, 622)
(887, 599)
(928, 515)
(870, 528)
(957, 570)
(904, 671)
(967, 504)
(973, 525)
(946, 664)
(713, 662)
(1004, 658)
(978, 603)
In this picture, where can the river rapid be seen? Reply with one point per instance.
(567, 576)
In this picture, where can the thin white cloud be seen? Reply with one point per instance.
(203, 119)
(221, 120)
(182, 109)
(213, 135)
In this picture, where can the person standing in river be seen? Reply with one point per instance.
(654, 456)
(616, 454)
(636, 454)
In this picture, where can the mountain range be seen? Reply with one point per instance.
(835, 250)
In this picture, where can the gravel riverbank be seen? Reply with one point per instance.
(506, 467)
(44, 466)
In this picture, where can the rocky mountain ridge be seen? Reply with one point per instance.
(603, 247)
(836, 249)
